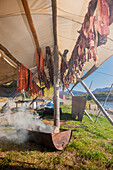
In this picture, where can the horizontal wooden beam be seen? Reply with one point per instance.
(30, 21)
(9, 55)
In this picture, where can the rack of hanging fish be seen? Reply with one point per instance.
(25, 82)
(93, 33)
(25, 76)
(45, 64)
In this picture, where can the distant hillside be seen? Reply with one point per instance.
(101, 89)
(74, 92)
(78, 92)
(64, 92)
(100, 94)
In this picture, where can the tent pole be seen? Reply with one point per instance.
(31, 24)
(56, 66)
(95, 100)
(56, 88)
(7, 53)
(104, 102)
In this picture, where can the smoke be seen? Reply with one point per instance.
(21, 119)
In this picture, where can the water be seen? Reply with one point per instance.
(107, 105)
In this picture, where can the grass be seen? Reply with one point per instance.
(3, 99)
(91, 147)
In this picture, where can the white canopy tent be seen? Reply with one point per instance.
(16, 35)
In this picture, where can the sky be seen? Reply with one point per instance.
(98, 78)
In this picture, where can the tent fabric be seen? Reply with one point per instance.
(16, 36)
(7, 72)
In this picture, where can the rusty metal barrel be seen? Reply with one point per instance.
(57, 141)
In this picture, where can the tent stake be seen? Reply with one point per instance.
(95, 100)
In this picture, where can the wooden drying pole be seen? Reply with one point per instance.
(104, 102)
(56, 66)
(32, 28)
(95, 100)
(31, 25)
(7, 53)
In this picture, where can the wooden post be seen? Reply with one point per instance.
(88, 115)
(56, 88)
(56, 66)
(95, 100)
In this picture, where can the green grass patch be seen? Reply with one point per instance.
(91, 147)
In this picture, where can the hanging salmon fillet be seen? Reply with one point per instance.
(26, 82)
(23, 75)
(31, 85)
(18, 77)
(37, 60)
(41, 62)
(110, 2)
(26, 79)
(102, 22)
(63, 68)
(21, 79)
(38, 66)
(49, 63)
(93, 39)
(41, 73)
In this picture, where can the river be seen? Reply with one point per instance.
(107, 105)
